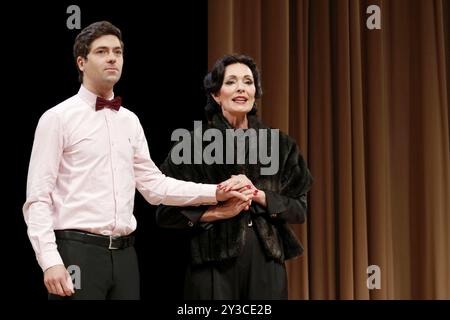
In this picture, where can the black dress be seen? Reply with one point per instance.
(243, 257)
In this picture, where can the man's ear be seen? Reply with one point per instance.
(80, 62)
(216, 98)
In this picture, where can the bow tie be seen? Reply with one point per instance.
(112, 104)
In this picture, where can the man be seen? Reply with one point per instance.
(89, 155)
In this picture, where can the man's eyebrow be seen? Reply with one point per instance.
(106, 47)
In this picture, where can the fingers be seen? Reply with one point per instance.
(240, 182)
(238, 185)
(67, 285)
(230, 210)
(59, 289)
(243, 206)
(246, 191)
(70, 283)
(58, 281)
(235, 183)
(243, 194)
(50, 288)
(246, 205)
(224, 196)
(54, 287)
(223, 185)
(253, 193)
(240, 207)
(240, 196)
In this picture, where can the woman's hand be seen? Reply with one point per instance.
(233, 188)
(225, 210)
(241, 183)
(236, 182)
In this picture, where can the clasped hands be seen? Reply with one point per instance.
(237, 194)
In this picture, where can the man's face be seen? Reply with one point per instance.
(103, 66)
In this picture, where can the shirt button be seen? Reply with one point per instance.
(190, 224)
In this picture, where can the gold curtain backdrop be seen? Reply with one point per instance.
(370, 111)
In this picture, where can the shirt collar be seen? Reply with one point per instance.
(89, 97)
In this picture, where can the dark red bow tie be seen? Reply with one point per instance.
(103, 103)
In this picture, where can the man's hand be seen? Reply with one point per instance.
(58, 281)
(225, 210)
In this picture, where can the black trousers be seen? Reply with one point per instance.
(251, 276)
(103, 273)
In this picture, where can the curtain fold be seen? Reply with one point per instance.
(370, 112)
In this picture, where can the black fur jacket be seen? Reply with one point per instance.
(286, 198)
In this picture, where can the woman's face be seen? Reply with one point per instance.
(237, 94)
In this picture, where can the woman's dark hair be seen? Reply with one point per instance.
(83, 41)
(214, 79)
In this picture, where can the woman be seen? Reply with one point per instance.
(238, 248)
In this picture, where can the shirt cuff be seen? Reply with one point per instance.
(208, 192)
(49, 259)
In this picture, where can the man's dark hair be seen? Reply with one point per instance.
(214, 79)
(83, 41)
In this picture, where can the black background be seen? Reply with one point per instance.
(165, 60)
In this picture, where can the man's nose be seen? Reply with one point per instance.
(111, 57)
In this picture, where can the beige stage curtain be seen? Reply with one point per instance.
(370, 110)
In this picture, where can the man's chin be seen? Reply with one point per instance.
(112, 79)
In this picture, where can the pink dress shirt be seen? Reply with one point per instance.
(84, 168)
